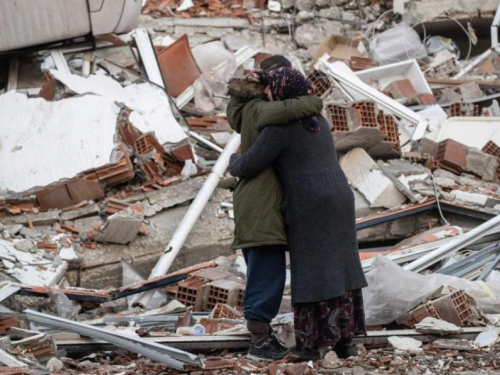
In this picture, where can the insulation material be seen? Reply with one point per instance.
(52, 141)
(151, 106)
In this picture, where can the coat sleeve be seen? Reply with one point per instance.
(284, 112)
(263, 153)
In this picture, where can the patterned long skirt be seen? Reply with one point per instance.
(325, 323)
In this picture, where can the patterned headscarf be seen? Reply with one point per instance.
(289, 83)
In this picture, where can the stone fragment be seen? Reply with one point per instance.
(332, 12)
(349, 16)
(445, 174)
(405, 344)
(320, 4)
(54, 365)
(24, 245)
(14, 229)
(445, 182)
(332, 361)
(304, 16)
(307, 5)
(450, 344)
(29, 233)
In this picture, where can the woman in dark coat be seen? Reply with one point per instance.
(318, 207)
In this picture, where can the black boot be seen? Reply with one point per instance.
(345, 349)
(306, 355)
(265, 345)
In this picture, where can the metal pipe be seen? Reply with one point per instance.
(488, 269)
(191, 217)
(478, 60)
(453, 246)
(175, 358)
(205, 141)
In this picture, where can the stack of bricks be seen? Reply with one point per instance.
(322, 84)
(452, 156)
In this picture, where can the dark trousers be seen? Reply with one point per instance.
(266, 274)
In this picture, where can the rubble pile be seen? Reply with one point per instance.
(112, 152)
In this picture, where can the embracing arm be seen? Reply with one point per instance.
(263, 152)
(284, 112)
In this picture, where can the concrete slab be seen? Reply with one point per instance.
(121, 228)
(365, 175)
(364, 138)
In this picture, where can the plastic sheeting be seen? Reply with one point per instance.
(210, 88)
(397, 44)
(393, 291)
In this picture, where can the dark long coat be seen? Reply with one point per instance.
(318, 208)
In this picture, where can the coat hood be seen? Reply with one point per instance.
(241, 91)
(247, 90)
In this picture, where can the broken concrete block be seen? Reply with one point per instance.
(470, 91)
(481, 164)
(365, 175)
(54, 365)
(428, 147)
(405, 343)
(121, 228)
(80, 213)
(445, 182)
(470, 198)
(87, 224)
(13, 229)
(29, 233)
(25, 245)
(221, 138)
(38, 219)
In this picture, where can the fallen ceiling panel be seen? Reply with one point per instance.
(44, 142)
(150, 105)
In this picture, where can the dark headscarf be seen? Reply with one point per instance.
(289, 83)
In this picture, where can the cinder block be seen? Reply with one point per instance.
(322, 84)
(190, 292)
(221, 291)
(453, 308)
(452, 155)
(482, 164)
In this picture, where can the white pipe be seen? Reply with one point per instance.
(478, 60)
(453, 246)
(213, 146)
(494, 28)
(191, 217)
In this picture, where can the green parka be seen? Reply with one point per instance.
(257, 201)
